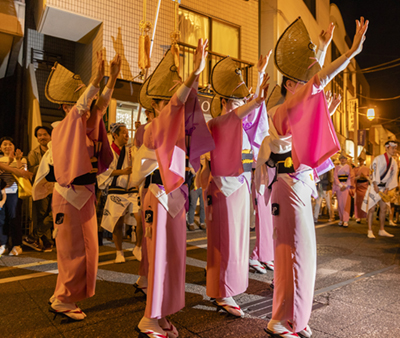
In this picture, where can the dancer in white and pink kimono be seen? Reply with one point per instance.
(161, 161)
(302, 138)
(384, 178)
(79, 151)
(226, 182)
(361, 179)
(343, 182)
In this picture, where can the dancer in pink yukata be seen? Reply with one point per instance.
(238, 130)
(343, 182)
(361, 179)
(161, 161)
(302, 138)
(78, 152)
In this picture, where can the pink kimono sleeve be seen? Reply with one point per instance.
(336, 181)
(70, 155)
(313, 134)
(168, 135)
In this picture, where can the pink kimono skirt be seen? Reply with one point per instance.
(77, 250)
(228, 227)
(295, 254)
(166, 254)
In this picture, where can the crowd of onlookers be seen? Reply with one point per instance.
(326, 204)
(39, 235)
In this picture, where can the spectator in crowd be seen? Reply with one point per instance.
(8, 223)
(42, 214)
(122, 201)
(195, 194)
(361, 178)
(324, 188)
(343, 182)
(384, 179)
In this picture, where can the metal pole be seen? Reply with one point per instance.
(151, 49)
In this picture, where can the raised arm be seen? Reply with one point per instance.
(329, 72)
(105, 97)
(199, 63)
(246, 109)
(325, 38)
(261, 67)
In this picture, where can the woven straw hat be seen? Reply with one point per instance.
(163, 83)
(274, 98)
(227, 82)
(295, 55)
(63, 86)
(343, 155)
(144, 100)
(363, 155)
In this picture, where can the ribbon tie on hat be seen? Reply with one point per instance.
(312, 58)
(241, 83)
(177, 82)
(79, 87)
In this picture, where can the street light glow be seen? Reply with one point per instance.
(370, 114)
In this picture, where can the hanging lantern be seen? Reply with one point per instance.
(370, 114)
(176, 34)
(144, 41)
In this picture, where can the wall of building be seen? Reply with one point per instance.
(277, 15)
(120, 29)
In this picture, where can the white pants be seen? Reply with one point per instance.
(327, 194)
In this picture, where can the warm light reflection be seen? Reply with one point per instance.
(371, 114)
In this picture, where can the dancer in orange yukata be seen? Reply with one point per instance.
(78, 152)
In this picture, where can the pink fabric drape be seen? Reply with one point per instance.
(313, 134)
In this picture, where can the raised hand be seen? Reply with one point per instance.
(200, 55)
(336, 99)
(325, 37)
(328, 97)
(359, 37)
(18, 154)
(263, 62)
(100, 69)
(115, 66)
(263, 89)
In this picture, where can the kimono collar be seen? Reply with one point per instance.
(116, 148)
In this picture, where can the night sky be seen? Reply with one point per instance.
(382, 45)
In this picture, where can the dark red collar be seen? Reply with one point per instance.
(387, 160)
(116, 148)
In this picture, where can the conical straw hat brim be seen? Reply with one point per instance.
(275, 98)
(216, 106)
(165, 80)
(295, 55)
(144, 99)
(227, 80)
(63, 86)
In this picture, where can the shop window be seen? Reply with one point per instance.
(127, 113)
(224, 38)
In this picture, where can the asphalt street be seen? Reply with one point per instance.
(357, 292)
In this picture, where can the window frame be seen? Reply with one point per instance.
(210, 20)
